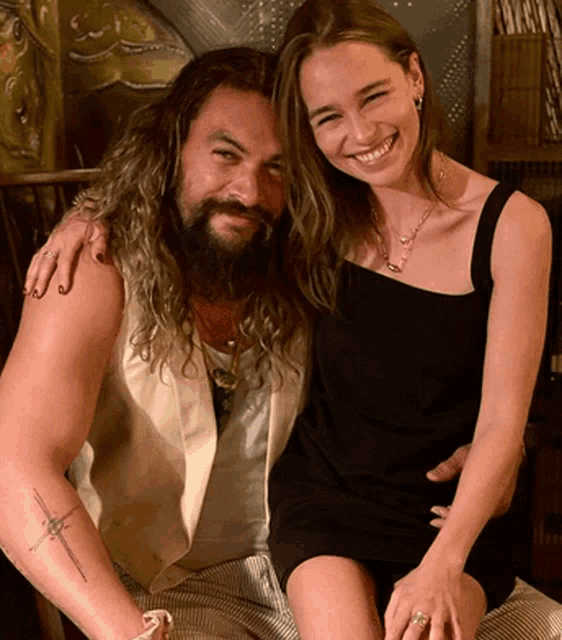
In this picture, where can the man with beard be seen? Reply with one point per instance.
(120, 376)
(120, 493)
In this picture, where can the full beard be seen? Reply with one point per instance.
(221, 268)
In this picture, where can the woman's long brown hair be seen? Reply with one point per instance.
(331, 209)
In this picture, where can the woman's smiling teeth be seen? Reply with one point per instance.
(377, 153)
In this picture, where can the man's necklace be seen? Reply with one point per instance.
(407, 241)
(224, 382)
(223, 333)
(223, 378)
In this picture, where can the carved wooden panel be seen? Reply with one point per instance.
(30, 98)
(116, 56)
(124, 42)
(94, 61)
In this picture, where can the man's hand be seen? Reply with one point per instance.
(60, 251)
(451, 468)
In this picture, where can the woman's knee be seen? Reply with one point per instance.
(334, 597)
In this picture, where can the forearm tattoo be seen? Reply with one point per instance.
(53, 529)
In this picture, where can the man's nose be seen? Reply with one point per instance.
(247, 187)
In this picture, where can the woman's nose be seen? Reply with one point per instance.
(361, 128)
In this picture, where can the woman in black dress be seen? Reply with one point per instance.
(432, 283)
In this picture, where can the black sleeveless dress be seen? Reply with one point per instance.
(395, 389)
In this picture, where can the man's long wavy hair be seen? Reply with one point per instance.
(136, 199)
(331, 209)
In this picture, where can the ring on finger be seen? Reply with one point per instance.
(420, 618)
(50, 254)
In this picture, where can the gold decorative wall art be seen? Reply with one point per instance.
(30, 102)
(123, 42)
(116, 56)
(72, 72)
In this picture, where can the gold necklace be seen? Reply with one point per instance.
(407, 241)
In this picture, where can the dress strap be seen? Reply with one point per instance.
(480, 270)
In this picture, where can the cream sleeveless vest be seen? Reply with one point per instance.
(144, 468)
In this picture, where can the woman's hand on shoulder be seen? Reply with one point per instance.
(73, 333)
(53, 264)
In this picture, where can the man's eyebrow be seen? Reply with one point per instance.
(330, 107)
(276, 157)
(224, 136)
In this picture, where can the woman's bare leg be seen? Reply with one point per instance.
(473, 606)
(333, 598)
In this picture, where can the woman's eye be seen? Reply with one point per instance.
(374, 96)
(325, 119)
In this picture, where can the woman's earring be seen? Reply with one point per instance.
(418, 102)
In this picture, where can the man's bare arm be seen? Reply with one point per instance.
(48, 392)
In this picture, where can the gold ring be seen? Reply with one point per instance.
(419, 618)
(50, 254)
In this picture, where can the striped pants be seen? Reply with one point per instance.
(527, 614)
(242, 600)
(236, 600)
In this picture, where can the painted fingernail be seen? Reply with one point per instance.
(61, 289)
(99, 257)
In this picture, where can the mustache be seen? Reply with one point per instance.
(218, 270)
(213, 206)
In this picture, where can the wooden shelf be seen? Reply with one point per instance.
(506, 153)
(524, 57)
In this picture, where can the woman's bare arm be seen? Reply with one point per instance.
(521, 258)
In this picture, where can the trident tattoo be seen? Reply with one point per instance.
(53, 529)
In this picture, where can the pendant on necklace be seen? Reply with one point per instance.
(223, 401)
(224, 379)
(393, 267)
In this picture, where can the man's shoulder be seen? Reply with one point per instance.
(90, 312)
